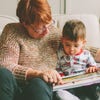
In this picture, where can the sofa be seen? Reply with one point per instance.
(91, 22)
(4, 19)
(92, 28)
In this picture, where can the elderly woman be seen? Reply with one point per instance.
(28, 54)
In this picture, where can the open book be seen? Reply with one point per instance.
(78, 80)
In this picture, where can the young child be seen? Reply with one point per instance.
(73, 58)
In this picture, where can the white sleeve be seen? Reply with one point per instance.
(91, 61)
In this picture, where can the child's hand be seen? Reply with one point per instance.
(91, 69)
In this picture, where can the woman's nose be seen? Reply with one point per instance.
(47, 30)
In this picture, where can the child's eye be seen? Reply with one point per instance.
(76, 45)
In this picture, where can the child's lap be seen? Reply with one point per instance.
(86, 91)
(80, 93)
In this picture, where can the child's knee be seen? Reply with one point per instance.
(63, 95)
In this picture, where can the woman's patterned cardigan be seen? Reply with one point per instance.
(19, 51)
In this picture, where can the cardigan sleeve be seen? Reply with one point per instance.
(9, 53)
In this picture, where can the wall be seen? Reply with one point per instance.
(8, 7)
(83, 7)
(57, 6)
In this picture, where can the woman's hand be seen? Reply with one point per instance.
(52, 76)
(91, 69)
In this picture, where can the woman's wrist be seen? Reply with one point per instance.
(30, 73)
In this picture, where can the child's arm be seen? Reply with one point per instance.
(92, 66)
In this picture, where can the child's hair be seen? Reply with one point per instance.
(74, 30)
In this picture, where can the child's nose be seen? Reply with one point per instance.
(71, 48)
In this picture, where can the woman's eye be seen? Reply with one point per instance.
(67, 45)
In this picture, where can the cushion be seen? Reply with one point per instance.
(95, 52)
(5, 19)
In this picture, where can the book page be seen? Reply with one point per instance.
(79, 80)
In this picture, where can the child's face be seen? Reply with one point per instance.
(72, 47)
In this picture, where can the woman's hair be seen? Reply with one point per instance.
(74, 30)
(34, 11)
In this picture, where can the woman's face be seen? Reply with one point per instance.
(37, 31)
